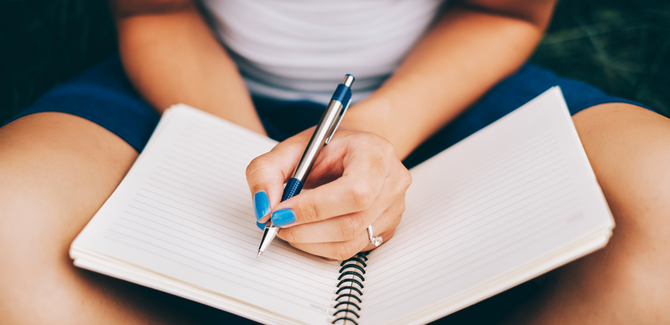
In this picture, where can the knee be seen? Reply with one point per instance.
(629, 149)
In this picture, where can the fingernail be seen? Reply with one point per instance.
(260, 225)
(261, 204)
(283, 217)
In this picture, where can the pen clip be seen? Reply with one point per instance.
(336, 124)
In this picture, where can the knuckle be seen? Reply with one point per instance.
(362, 194)
(387, 147)
(401, 207)
(288, 234)
(369, 139)
(258, 164)
(407, 178)
(310, 212)
(366, 138)
(348, 227)
(344, 250)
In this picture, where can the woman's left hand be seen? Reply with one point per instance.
(356, 181)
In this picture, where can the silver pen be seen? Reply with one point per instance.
(322, 134)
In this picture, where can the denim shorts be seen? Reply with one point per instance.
(104, 96)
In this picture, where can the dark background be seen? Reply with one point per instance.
(620, 46)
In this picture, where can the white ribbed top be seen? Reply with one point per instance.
(301, 49)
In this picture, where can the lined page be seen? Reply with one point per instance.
(502, 198)
(184, 211)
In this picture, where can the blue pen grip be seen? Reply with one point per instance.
(342, 94)
(293, 188)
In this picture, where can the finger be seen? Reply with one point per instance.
(338, 250)
(360, 184)
(346, 227)
(387, 235)
(267, 174)
(343, 250)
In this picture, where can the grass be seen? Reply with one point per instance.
(620, 46)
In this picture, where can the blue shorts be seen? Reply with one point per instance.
(104, 96)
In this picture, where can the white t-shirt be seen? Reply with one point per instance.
(301, 49)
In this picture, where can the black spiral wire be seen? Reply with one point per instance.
(350, 290)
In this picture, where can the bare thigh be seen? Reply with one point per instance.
(56, 170)
(628, 281)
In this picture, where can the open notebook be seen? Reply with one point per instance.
(508, 203)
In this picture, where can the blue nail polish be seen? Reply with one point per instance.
(261, 204)
(260, 225)
(283, 217)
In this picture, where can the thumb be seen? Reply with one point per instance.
(267, 174)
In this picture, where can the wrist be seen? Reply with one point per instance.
(376, 115)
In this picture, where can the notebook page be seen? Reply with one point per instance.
(501, 199)
(184, 211)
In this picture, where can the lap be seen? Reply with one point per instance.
(76, 162)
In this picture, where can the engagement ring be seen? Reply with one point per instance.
(374, 240)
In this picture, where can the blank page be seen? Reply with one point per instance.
(503, 198)
(184, 212)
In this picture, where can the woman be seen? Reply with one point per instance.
(451, 72)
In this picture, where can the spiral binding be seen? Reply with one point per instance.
(350, 290)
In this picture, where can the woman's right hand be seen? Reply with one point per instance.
(356, 181)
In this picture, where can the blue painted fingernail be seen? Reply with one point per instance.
(260, 225)
(261, 204)
(283, 217)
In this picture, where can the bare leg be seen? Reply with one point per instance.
(56, 170)
(627, 282)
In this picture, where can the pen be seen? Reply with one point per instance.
(322, 134)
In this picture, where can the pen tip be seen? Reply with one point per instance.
(259, 254)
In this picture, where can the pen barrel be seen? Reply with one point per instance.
(318, 140)
(292, 188)
(326, 128)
